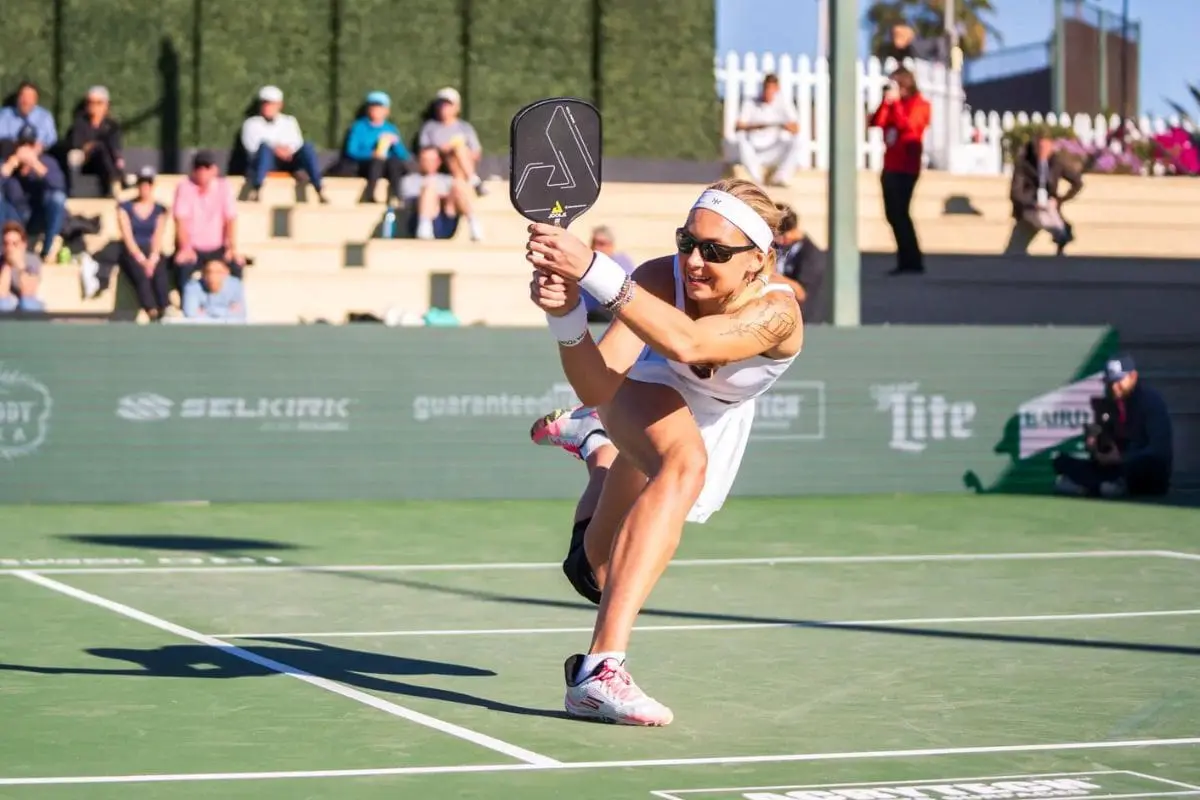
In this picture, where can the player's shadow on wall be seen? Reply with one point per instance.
(355, 668)
(850, 627)
(226, 545)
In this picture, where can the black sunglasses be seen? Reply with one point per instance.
(712, 252)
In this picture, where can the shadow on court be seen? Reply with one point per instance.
(705, 616)
(355, 668)
(224, 545)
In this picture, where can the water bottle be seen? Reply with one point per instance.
(388, 228)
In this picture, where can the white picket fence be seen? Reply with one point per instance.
(978, 136)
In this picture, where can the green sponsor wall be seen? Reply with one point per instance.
(182, 72)
(124, 413)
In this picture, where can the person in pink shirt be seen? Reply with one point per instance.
(205, 221)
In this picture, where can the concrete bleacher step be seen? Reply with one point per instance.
(626, 207)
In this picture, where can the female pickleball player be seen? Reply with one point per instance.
(668, 401)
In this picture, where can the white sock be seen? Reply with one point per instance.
(475, 227)
(593, 660)
(425, 228)
(593, 442)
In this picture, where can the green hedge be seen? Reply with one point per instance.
(246, 45)
(149, 76)
(409, 49)
(183, 72)
(657, 89)
(27, 46)
(517, 56)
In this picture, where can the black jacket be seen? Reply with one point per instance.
(107, 133)
(805, 263)
(1025, 181)
(1145, 434)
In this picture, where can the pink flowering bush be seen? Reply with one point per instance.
(1177, 152)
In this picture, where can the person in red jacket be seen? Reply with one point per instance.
(903, 115)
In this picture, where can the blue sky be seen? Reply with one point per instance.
(1169, 35)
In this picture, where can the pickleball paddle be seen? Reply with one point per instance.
(554, 160)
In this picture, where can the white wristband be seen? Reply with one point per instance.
(571, 328)
(604, 279)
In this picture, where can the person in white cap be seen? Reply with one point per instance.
(94, 143)
(696, 338)
(458, 149)
(273, 141)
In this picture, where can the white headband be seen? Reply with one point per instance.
(741, 215)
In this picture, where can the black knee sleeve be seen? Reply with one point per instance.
(576, 567)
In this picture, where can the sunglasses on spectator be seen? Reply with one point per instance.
(712, 252)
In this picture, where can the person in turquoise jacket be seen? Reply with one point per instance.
(375, 148)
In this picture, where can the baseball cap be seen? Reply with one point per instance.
(1117, 368)
(27, 134)
(378, 98)
(204, 158)
(270, 94)
(450, 94)
(146, 175)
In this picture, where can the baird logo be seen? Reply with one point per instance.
(918, 419)
(24, 413)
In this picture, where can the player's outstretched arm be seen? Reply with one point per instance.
(768, 324)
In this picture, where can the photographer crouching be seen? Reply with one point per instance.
(1128, 442)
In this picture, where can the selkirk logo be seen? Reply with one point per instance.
(918, 419)
(25, 405)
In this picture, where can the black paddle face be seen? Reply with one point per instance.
(554, 160)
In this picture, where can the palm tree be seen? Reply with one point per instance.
(1194, 90)
(926, 17)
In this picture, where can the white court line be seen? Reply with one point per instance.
(511, 750)
(538, 565)
(589, 765)
(1164, 780)
(1178, 554)
(726, 626)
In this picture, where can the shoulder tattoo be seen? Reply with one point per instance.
(770, 321)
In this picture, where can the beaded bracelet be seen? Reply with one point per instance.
(624, 295)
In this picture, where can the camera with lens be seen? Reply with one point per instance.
(1103, 427)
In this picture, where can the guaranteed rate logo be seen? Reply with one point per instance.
(429, 408)
(272, 413)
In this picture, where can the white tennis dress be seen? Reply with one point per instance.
(723, 405)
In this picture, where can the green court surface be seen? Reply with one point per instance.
(857, 648)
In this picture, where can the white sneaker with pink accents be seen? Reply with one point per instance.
(567, 428)
(609, 694)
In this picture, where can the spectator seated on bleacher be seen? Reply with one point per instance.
(33, 190)
(205, 216)
(216, 296)
(454, 138)
(94, 144)
(143, 221)
(25, 112)
(1037, 205)
(440, 200)
(273, 141)
(767, 128)
(374, 149)
(20, 272)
